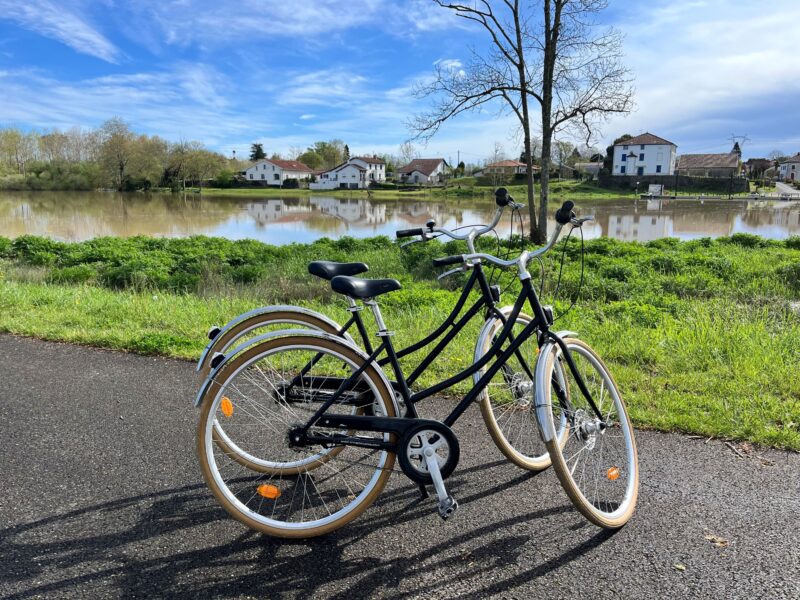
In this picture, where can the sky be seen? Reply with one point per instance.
(288, 73)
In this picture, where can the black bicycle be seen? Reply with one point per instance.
(512, 431)
(321, 416)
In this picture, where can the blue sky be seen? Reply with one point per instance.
(292, 72)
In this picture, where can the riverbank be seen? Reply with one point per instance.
(560, 190)
(702, 336)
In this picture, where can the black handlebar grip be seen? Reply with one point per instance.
(564, 214)
(447, 260)
(502, 197)
(409, 232)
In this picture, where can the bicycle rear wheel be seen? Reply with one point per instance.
(597, 464)
(260, 395)
(507, 401)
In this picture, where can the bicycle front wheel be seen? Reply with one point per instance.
(597, 464)
(263, 393)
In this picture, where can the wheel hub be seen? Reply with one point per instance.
(586, 428)
(522, 388)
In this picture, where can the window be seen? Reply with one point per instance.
(641, 156)
(641, 147)
(622, 169)
(640, 171)
(658, 168)
(263, 176)
(251, 175)
(624, 158)
(624, 147)
(277, 177)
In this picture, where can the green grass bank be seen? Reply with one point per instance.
(702, 336)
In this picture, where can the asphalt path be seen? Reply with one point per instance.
(102, 497)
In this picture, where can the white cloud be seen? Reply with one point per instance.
(329, 87)
(700, 65)
(56, 21)
(307, 117)
(168, 103)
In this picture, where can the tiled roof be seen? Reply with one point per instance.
(425, 166)
(369, 160)
(793, 159)
(289, 165)
(707, 161)
(507, 163)
(648, 139)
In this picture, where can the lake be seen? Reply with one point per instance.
(75, 216)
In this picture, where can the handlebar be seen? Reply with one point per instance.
(402, 233)
(564, 216)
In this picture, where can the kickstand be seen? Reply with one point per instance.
(423, 491)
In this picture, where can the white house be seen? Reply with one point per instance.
(274, 171)
(790, 169)
(357, 173)
(423, 170)
(376, 168)
(645, 154)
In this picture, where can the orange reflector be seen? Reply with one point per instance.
(227, 406)
(269, 491)
(613, 473)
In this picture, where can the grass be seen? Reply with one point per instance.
(702, 336)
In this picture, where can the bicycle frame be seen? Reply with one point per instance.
(539, 326)
(453, 322)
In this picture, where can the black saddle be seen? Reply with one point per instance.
(363, 288)
(328, 269)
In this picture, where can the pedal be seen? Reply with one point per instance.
(447, 507)
(447, 504)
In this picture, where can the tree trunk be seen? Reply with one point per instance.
(544, 181)
(526, 121)
(551, 32)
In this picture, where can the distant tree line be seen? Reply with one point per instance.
(111, 156)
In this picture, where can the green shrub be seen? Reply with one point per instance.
(76, 274)
(793, 242)
(747, 240)
(5, 246)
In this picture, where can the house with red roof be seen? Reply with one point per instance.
(275, 172)
(423, 170)
(644, 154)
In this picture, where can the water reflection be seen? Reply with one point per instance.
(83, 215)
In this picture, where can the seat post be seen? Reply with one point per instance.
(376, 312)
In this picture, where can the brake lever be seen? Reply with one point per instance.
(578, 222)
(424, 238)
(460, 269)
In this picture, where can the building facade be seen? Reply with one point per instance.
(645, 154)
(423, 170)
(355, 174)
(708, 165)
(789, 170)
(274, 171)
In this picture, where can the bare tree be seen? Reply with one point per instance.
(408, 152)
(560, 61)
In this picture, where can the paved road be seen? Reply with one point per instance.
(102, 497)
(785, 188)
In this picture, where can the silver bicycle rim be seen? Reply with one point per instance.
(243, 507)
